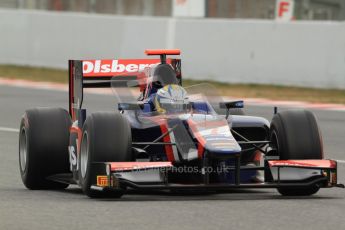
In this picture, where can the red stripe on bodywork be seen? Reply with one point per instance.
(161, 121)
(304, 163)
(200, 139)
(71, 90)
(166, 138)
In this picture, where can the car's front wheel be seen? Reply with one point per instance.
(106, 138)
(295, 135)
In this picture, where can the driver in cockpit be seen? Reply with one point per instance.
(163, 92)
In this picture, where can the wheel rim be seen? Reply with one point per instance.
(23, 149)
(274, 141)
(84, 155)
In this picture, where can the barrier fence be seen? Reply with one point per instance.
(244, 51)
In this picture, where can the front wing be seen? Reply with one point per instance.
(154, 176)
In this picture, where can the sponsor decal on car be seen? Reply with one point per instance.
(102, 181)
(94, 68)
(72, 158)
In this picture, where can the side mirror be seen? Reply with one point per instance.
(230, 105)
(130, 106)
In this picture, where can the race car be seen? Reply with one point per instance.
(164, 136)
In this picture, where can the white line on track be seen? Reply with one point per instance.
(4, 129)
(341, 161)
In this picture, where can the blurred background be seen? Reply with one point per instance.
(275, 42)
(261, 9)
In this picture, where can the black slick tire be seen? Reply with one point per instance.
(43, 147)
(295, 135)
(106, 138)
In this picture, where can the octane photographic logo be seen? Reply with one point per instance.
(184, 169)
(92, 68)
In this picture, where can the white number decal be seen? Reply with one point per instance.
(72, 158)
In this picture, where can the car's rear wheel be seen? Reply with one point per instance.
(106, 138)
(43, 147)
(294, 135)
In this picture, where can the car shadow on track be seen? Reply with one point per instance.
(231, 195)
(142, 196)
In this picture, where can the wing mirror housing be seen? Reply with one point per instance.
(230, 105)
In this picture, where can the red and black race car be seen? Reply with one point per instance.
(166, 137)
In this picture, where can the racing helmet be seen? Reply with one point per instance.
(163, 74)
(171, 99)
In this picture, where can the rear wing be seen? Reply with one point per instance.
(100, 73)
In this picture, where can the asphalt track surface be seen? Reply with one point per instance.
(70, 209)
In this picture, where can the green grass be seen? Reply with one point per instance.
(234, 90)
(276, 92)
(33, 73)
